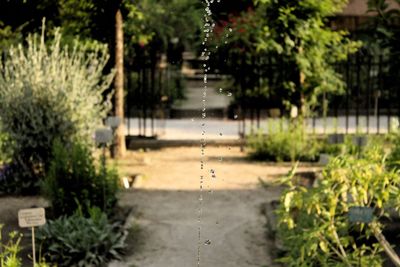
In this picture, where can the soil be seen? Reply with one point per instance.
(167, 204)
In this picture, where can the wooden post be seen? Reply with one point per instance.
(33, 247)
(385, 244)
(120, 146)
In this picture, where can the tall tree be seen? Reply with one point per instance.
(298, 34)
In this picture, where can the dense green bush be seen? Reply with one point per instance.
(80, 241)
(73, 181)
(16, 178)
(47, 93)
(283, 144)
(314, 224)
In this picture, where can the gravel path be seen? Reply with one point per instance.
(167, 201)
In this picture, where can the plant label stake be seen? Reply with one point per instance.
(361, 214)
(324, 159)
(103, 137)
(113, 123)
(30, 218)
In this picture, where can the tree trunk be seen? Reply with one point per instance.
(120, 146)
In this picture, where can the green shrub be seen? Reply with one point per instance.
(79, 241)
(15, 178)
(314, 224)
(5, 151)
(47, 93)
(283, 144)
(73, 181)
(394, 156)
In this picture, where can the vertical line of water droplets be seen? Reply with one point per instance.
(208, 29)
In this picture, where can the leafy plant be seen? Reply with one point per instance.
(394, 156)
(16, 178)
(314, 224)
(47, 93)
(73, 182)
(9, 251)
(4, 152)
(280, 144)
(80, 241)
(297, 32)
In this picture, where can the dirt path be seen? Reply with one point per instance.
(232, 228)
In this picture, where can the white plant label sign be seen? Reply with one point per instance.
(31, 217)
(113, 122)
(103, 136)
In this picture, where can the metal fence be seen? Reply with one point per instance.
(369, 103)
(151, 90)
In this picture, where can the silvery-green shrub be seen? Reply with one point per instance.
(50, 92)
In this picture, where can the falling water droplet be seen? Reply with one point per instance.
(212, 171)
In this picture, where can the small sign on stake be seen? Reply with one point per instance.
(113, 122)
(360, 214)
(324, 159)
(31, 218)
(103, 136)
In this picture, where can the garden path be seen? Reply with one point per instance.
(167, 206)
